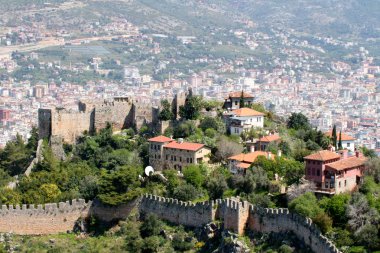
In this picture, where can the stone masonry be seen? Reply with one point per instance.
(121, 113)
(237, 216)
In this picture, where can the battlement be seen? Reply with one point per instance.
(49, 208)
(42, 219)
(235, 214)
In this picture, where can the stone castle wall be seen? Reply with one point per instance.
(281, 220)
(122, 113)
(118, 113)
(48, 219)
(70, 124)
(178, 212)
(236, 216)
(44, 123)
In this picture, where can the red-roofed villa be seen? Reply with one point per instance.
(166, 153)
(334, 172)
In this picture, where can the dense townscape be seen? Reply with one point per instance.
(189, 126)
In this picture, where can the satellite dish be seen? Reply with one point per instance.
(149, 170)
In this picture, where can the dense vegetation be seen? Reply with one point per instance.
(109, 167)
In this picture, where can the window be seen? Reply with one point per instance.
(167, 157)
(318, 173)
(309, 171)
(187, 160)
(339, 184)
(348, 144)
(236, 102)
(345, 182)
(180, 159)
(326, 184)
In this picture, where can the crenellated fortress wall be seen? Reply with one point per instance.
(48, 219)
(236, 216)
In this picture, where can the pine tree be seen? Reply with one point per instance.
(334, 137)
(340, 146)
(242, 99)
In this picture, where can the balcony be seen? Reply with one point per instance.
(328, 191)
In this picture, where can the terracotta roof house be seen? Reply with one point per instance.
(238, 164)
(233, 100)
(243, 119)
(263, 142)
(165, 153)
(334, 172)
(348, 142)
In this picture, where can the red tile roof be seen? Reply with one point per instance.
(270, 138)
(237, 94)
(243, 165)
(242, 112)
(184, 146)
(250, 157)
(323, 155)
(348, 163)
(345, 137)
(160, 138)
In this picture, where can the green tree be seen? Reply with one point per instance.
(151, 244)
(120, 186)
(192, 108)
(368, 152)
(9, 197)
(334, 137)
(307, 205)
(241, 102)
(193, 175)
(340, 146)
(185, 192)
(166, 112)
(50, 193)
(336, 207)
(151, 226)
(88, 187)
(15, 157)
(184, 130)
(212, 123)
(298, 121)
(216, 186)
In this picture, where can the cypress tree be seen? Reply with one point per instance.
(241, 100)
(340, 146)
(334, 137)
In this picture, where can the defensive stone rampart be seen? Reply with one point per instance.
(236, 216)
(43, 219)
(178, 212)
(281, 220)
(118, 113)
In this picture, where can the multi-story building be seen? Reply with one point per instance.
(333, 172)
(348, 142)
(243, 119)
(233, 100)
(238, 164)
(263, 142)
(166, 153)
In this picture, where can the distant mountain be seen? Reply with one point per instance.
(346, 18)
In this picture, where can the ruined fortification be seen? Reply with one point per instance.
(121, 113)
(236, 216)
